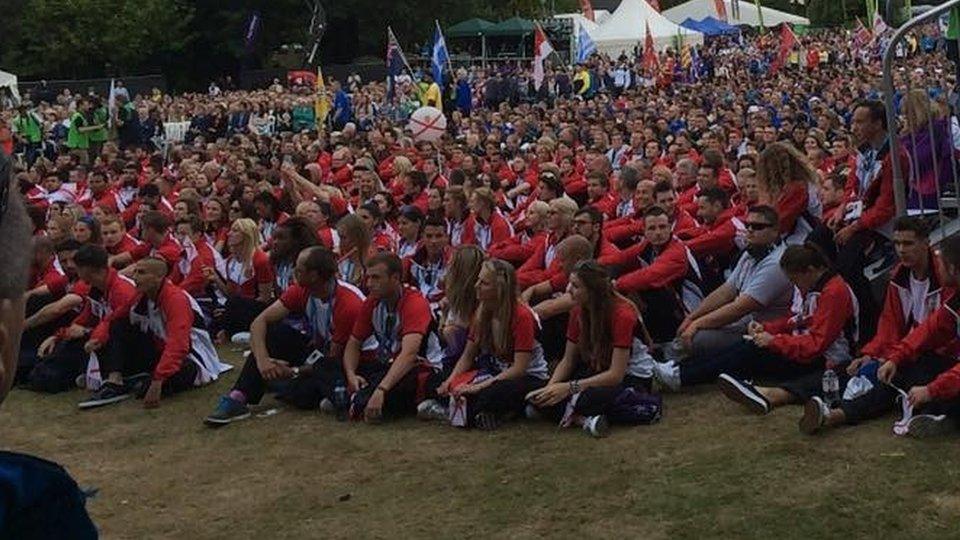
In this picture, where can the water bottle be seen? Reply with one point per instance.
(831, 387)
(341, 402)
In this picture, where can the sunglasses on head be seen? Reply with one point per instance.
(757, 226)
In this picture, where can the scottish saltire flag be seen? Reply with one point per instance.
(396, 61)
(585, 45)
(440, 57)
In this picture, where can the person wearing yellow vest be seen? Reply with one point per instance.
(581, 81)
(28, 132)
(78, 135)
(432, 96)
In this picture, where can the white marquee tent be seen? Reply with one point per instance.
(601, 15)
(9, 82)
(699, 9)
(627, 27)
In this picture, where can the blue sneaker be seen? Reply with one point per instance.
(228, 410)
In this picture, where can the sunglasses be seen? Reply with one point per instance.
(755, 226)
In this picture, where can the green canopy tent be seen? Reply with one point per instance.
(473, 28)
(514, 27)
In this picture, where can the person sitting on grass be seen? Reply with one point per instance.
(605, 353)
(162, 333)
(821, 330)
(279, 352)
(822, 334)
(405, 368)
(102, 291)
(915, 366)
(503, 359)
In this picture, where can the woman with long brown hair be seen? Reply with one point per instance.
(604, 355)
(460, 297)
(788, 182)
(503, 359)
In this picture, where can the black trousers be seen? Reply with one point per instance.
(743, 360)
(810, 384)
(553, 336)
(882, 397)
(239, 313)
(850, 260)
(418, 384)
(283, 343)
(32, 338)
(58, 372)
(131, 351)
(598, 399)
(662, 313)
(502, 397)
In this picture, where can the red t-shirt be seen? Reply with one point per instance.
(523, 328)
(623, 329)
(243, 282)
(412, 316)
(326, 327)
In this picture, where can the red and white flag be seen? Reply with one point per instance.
(861, 34)
(787, 41)
(879, 27)
(655, 4)
(541, 50)
(587, 9)
(650, 59)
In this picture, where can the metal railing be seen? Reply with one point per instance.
(932, 184)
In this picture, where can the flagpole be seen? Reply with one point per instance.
(402, 56)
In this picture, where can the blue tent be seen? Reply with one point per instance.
(696, 26)
(715, 27)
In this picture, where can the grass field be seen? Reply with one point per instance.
(708, 470)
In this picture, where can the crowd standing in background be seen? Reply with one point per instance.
(563, 251)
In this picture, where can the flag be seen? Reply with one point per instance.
(587, 9)
(541, 50)
(440, 57)
(585, 45)
(321, 105)
(861, 35)
(696, 64)
(787, 40)
(650, 60)
(721, 9)
(111, 104)
(396, 61)
(686, 57)
(760, 15)
(655, 4)
(879, 27)
(253, 26)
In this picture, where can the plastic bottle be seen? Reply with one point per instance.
(341, 402)
(831, 387)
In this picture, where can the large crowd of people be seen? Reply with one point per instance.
(565, 252)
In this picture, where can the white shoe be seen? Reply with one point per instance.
(815, 412)
(923, 426)
(597, 426)
(668, 373)
(432, 410)
(240, 338)
(326, 406)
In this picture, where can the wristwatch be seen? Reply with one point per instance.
(296, 372)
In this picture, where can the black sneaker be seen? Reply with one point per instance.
(486, 421)
(924, 426)
(743, 393)
(108, 393)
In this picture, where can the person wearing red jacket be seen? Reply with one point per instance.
(832, 193)
(544, 263)
(157, 242)
(116, 239)
(922, 365)
(341, 172)
(790, 183)
(103, 291)
(197, 255)
(866, 221)
(310, 361)
(664, 196)
(161, 332)
(415, 190)
(664, 274)
(599, 195)
(486, 225)
(102, 194)
(794, 351)
(520, 247)
(715, 243)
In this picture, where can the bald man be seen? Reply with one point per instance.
(161, 333)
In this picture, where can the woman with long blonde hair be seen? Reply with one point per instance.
(460, 297)
(355, 245)
(788, 182)
(503, 359)
(249, 281)
(926, 141)
(605, 353)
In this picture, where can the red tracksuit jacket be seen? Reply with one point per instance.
(940, 329)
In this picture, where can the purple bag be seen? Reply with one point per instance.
(636, 407)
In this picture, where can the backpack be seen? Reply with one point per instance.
(39, 500)
(636, 407)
